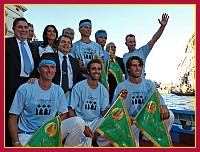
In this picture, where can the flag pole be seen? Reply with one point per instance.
(112, 105)
(91, 127)
(108, 111)
(102, 118)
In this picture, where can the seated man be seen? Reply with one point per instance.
(35, 104)
(89, 100)
(136, 91)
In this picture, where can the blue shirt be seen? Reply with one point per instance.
(142, 52)
(137, 95)
(88, 103)
(85, 52)
(36, 106)
(106, 56)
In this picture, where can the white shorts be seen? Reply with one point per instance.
(71, 131)
(169, 123)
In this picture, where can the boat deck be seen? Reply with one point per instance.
(175, 144)
(182, 132)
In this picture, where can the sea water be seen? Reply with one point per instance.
(179, 102)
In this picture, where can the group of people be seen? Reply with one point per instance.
(61, 78)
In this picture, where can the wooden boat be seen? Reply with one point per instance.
(183, 129)
(183, 94)
(164, 91)
(164, 88)
(182, 132)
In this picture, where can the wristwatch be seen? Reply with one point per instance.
(16, 143)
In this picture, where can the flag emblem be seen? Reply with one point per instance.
(149, 122)
(48, 135)
(116, 127)
(117, 114)
(50, 129)
(151, 107)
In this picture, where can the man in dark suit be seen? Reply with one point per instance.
(16, 63)
(66, 79)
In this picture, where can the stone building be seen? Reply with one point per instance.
(11, 13)
(187, 67)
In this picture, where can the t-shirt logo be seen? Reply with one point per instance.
(91, 105)
(88, 53)
(43, 109)
(137, 99)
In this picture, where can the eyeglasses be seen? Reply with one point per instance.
(112, 46)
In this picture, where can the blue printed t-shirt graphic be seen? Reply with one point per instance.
(91, 104)
(27, 62)
(88, 55)
(36, 106)
(43, 109)
(87, 102)
(85, 52)
(137, 99)
(137, 96)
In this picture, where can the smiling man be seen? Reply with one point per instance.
(68, 72)
(21, 60)
(137, 90)
(89, 100)
(35, 104)
(143, 51)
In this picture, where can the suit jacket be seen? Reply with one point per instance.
(121, 63)
(77, 76)
(13, 68)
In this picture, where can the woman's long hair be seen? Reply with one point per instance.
(45, 39)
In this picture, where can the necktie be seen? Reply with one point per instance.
(27, 62)
(64, 74)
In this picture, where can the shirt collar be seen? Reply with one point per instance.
(18, 41)
(61, 54)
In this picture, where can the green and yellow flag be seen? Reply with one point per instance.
(149, 122)
(103, 76)
(116, 71)
(48, 135)
(115, 127)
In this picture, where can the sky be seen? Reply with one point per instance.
(121, 20)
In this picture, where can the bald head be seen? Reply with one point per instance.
(70, 32)
(111, 47)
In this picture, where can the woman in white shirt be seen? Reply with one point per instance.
(50, 36)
